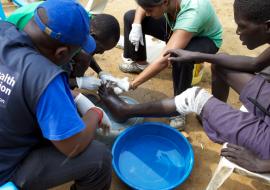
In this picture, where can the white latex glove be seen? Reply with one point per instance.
(192, 100)
(84, 104)
(122, 85)
(90, 83)
(105, 77)
(118, 90)
(136, 36)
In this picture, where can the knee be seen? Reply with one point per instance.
(105, 157)
(129, 17)
(219, 71)
(98, 155)
(101, 166)
(104, 170)
(96, 168)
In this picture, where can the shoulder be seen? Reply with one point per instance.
(56, 99)
(196, 7)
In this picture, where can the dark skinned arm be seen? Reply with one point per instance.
(234, 62)
(161, 108)
(76, 144)
(72, 83)
(122, 111)
(93, 64)
(83, 61)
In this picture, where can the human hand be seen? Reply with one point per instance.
(84, 105)
(179, 55)
(112, 86)
(123, 84)
(244, 158)
(192, 100)
(105, 77)
(119, 85)
(136, 36)
(90, 83)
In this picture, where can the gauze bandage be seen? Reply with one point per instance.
(192, 100)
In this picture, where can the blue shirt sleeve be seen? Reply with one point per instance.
(56, 111)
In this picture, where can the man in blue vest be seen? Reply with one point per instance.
(40, 145)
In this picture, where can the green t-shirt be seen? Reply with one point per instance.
(198, 17)
(21, 16)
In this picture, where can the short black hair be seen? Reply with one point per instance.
(256, 11)
(149, 3)
(105, 27)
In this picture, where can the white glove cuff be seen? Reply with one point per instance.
(101, 73)
(79, 81)
(136, 25)
(123, 84)
(83, 103)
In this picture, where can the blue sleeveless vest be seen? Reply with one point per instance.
(24, 75)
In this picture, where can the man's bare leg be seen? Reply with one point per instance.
(220, 89)
(229, 78)
(122, 111)
(117, 107)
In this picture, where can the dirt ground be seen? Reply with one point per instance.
(206, 152)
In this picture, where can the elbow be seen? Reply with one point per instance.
(164, 64)
(256, 66)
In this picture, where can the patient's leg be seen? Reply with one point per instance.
(117, 107)
(122, 111)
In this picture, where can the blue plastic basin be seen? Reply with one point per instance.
(152, 156)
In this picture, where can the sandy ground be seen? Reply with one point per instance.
(206, 152)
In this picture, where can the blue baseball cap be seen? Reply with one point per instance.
(68, 22)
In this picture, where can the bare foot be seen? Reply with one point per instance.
(117, 107)
(246, 159)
